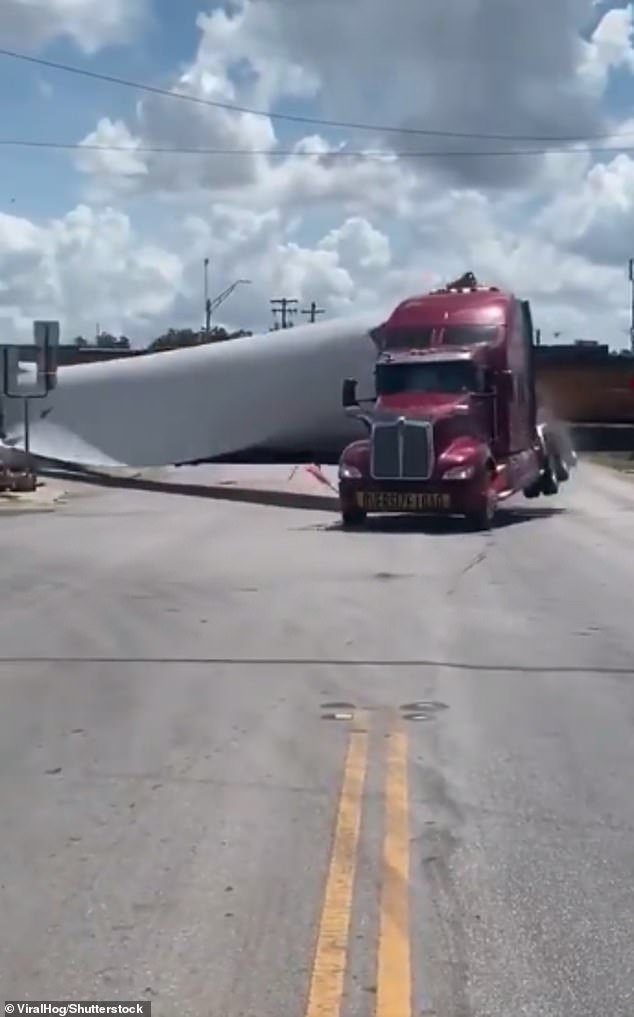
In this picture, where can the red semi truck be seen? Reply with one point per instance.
(454, 419)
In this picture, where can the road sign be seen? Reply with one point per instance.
(46, 342)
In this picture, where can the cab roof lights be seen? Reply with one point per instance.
(467, 283)
(467, 289)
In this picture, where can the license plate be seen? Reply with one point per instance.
(402, 501)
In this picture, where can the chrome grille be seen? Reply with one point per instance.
(401, 450)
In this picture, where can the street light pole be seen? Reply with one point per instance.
(213, 305)
(631, 277)
(206, 296)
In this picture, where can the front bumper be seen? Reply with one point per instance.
(458, 497)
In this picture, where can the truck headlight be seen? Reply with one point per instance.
(459, 473)
(347, 472)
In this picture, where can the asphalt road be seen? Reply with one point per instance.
(180, 820)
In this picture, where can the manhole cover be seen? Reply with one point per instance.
(426, 706)
(386, 576)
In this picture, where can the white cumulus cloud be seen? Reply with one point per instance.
(324, 223)
(91, 24)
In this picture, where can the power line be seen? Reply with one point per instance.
(296, 118)
(79, 146)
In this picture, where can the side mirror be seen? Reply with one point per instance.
(349, 393)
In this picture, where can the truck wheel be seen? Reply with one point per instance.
(351, 518)
(550, 483)
(562, 473)
(484, 518)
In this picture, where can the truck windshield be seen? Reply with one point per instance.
(447, 376)
(468, 335)
(410, 338)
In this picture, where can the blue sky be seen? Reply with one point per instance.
(41, 184)
(45, 183)
(44, 104)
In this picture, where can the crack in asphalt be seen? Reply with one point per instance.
(340, 662)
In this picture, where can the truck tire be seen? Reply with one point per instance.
(484, 518)
(550, 482)
(352, 518)
(562, 473)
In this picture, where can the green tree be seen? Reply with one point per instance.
(179, 338)
(105, 340)
(174, 339)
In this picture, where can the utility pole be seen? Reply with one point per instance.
(313, 311)
(286, 309)
(631, 277)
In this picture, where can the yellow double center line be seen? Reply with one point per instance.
(393, 998)
(394, 977)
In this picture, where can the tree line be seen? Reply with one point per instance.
(172, 339)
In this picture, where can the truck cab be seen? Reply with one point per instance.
(452, 422)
